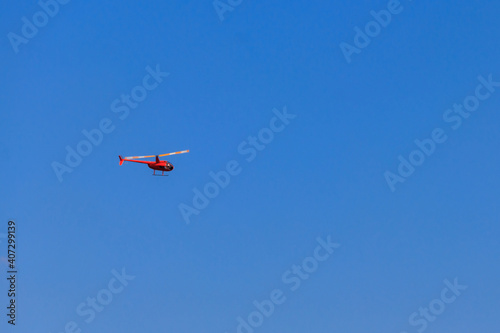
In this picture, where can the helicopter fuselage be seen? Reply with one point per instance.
(161, 166)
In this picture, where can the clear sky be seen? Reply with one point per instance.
(323, 173)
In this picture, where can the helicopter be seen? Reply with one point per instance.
(157, 165)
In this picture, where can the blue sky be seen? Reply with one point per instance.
(321, 176)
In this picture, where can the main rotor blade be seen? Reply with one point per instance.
(177, 152)
(135, 157)
(148, 156)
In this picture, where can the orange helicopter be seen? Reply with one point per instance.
(156, 165)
